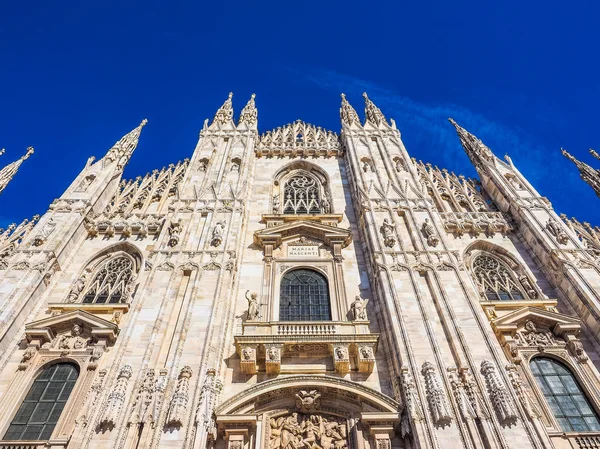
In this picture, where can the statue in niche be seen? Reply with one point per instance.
(275, 204)
(359, 309)
(217, 233)
(387, 230)
(76, 289)
(326, 205)
(252, 306)
(235, 167)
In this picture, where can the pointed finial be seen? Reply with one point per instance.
(593, 153)
(372, 113)
(587, 173)
(348, 113)
(123, 149)
(477, 151)
(8, 172)
(2, 151)
(225, 112)
(249, 114)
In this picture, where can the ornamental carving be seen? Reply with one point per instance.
(413, 411)
(310, 431)
(436, 397)
(499, 395)
(217, 233)
(531, 336)
(116, 398)
(180, 399)
(524, 395)
(74, 340)
(307, 401)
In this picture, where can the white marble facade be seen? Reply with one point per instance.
(171, 311)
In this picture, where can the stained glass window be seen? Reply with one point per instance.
(565, 397)
(45, 401)
(304, 297)
(495, 279)
(110, 282)
(301, 196)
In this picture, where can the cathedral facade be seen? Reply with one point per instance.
(299, 289)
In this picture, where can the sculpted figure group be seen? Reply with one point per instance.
(307, 431)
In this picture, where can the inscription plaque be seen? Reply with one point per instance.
(303, 251)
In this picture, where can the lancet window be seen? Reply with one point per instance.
(495, 279)
(564, 396)
(40, 410)
(302, 195)
(304, 296)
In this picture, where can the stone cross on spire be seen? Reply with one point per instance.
(123, 149)
(477, 151)
(347, 113)
(8, 172)
(249, 114)
(372, 112)
(225, 112)
(587, 173)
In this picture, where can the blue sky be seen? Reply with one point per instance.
(75, 76)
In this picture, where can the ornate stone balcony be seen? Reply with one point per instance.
(576, 440)
(33, 444)
(300, 346)
(475, 223)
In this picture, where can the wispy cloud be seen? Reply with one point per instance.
(433, 138)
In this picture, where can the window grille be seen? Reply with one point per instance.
(301, 196)
(304, 297)
(45, 401)
(111, 281)
(495, 279)
(565, 397)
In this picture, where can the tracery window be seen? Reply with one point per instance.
(301, 195)
(111, 282)
(304, 296)
(40, 410)
(495, 279)
(565, 397)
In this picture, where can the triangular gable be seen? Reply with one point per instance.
(327, 234)
(559, 323)
(47, 329)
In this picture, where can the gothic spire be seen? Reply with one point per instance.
(372, 113)
(8, 172)
(224, 113)
(347, 113)
(249, 114)
(587, 173)
(123, 149)
(477, 151)
(593, 153)
(2, 151)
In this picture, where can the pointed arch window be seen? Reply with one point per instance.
(304, 296)
(302, 195)
(564, 396)
(495, 279)
(40, 410)
(112, 282)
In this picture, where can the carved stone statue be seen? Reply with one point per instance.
(45, 232)
(326, 205)
(252, 306)
(429, 233)
(217, 233)
(359, 309)
(76, 289)
(275, 204)
(174, 231)
(387, 230)
(554, 228)
(235, 167)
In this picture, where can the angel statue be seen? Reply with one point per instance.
(252, 306)
(359, 309)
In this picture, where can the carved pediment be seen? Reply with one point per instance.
(558, 323)
(309, 228)
(47, 329)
